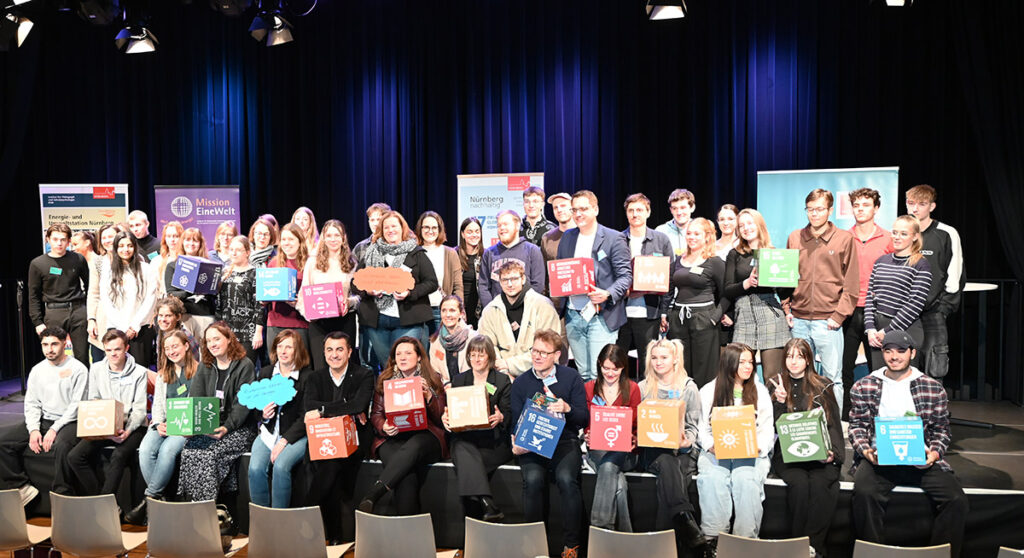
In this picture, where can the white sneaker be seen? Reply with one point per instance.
(28, 493)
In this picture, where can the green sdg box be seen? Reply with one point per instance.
(778, 267)
(803, 436)
(190, 416)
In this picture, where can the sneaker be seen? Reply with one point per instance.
(27, 493)
(573, 552)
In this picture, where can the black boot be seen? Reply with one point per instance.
(137, 515)
(689, 531)
(492, 513)
(711, 548)
(366, 504)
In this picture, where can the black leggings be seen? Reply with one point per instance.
(405, 459)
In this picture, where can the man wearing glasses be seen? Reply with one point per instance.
(510, 247)
(826, 292)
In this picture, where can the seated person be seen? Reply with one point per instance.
(894, 391)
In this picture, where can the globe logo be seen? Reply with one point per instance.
(181, 207)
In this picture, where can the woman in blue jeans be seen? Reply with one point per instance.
(281, 443)
(158, 453)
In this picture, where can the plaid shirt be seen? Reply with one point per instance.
(929, 402)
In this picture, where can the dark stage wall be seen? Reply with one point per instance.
(389, 100)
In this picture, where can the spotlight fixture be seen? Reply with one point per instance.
(899, 2)
(272, 26)
(13, 25)
(666, 9)
(99, 12)
(136, 39)
(230, 7)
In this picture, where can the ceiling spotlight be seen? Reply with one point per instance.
(666, 9)
(272, 26)
(136, 39)
(230, 7)
(13, 25)
(99, 12)
(898, 2)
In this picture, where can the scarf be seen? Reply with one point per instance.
(376, 256)
(258, 258)
(454, 342)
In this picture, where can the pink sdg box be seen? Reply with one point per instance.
(326, 300)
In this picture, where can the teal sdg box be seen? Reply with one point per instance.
(196, 275)
(778, 267)
(900, 441)
(191, 416)
(538, 430)
(276, 284)
(803, 436)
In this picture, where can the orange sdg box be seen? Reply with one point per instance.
(611, 428)
(660, 423)
(99, 418)
(403, 404)
(332, 438)
(650, 274)
(734, 432)
(467, 408)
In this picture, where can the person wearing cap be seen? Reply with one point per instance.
(561, 208)
(898, 390)
(535, 225)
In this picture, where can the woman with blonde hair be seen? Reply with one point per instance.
(331, 263)
(170, 249)
(199, 309)
(222, 240)
(306, 221)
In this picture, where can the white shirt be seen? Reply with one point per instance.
(436, 255)
(584, 249)
(337, 383)
(896, 399)
(636, 307)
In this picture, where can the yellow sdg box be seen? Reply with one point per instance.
(99, 418)
(734, 432)
(660, 423)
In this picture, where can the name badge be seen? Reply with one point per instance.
(182, 389)
(220, 394)
(597, 400)
(696, 270)
(406, 268)
(601, 255)
(65, 373)
(152, 255)
(56, 271)
(490, 388)
(550, 380)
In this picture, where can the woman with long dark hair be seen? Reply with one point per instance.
(332, 263)
(127, 296)
(469, 251)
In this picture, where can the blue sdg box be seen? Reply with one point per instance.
(276, 283)
(900, 441)
(197, 275)
(538, 430)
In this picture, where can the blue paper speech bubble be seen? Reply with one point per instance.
(276, 389)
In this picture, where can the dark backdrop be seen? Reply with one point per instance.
(387, 100)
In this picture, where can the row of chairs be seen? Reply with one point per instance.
(89, 526)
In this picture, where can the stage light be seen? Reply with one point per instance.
(898, 2)
(99, 12)
(272, 26)
(230, 7)
(136, 39)
(666, 9)
(13, 26)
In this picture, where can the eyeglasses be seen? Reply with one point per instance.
(540, 353)
(580, 209)
(511, 280)
(816, 210)
(430, 228)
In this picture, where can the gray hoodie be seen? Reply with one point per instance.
(53, 393)
(127, 386)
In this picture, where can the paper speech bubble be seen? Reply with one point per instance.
(276, 389)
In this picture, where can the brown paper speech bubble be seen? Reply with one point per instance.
(386, 279)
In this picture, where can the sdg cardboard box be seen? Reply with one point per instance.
(734, 432)
(571, 276)
(778, 267)
(538, 430)
(803, 436)
(191, 416)
(100, 418)
(651, 274)
(611, 428)
(467, 408)
(403, 404)
(325, 300)
(900, 441)
(661, 423)
(196, 275)
(332, 438)
(276, 283)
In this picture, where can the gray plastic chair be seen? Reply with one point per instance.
(186, 530)
(603, 543)
(1009, 552)
(88, 526)
(292, 532)
(732, 546)
(864, 549)
(409, 536)
(15, 533)
(499, 540)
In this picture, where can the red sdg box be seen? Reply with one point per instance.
(403, 403)
(571, 276)
(611, 428)
(332, 438)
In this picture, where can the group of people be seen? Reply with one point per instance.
(482, 315)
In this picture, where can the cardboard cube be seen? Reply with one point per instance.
(611, 428)
(570, 276)
(661, 423)
(803, 436)
(538, 430)
(900, 441)
(778, 267)
(467, 408)
(651, 274)
(100, 418)
(191, 416)
(403, 404)
(332, 438)
(326, 300)
(276, 284)
(197, 275)
(734, 431)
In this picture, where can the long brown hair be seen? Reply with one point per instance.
(303, 253)
(764, 240)
(813, 386)
(614, 353)
(426, 371)
(193, 233)
(345, 258)
(463, 248)
(235, 349)
(188, 365)
(727, 367)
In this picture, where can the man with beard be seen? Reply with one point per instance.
(510, 247)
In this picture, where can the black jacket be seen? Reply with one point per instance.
(356, 393)
(291, 413)
(233, 415)
(499, 398)
(415, 308)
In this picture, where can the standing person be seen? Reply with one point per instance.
(899, 390)
(469, 253)
(565, 386)
(826, 292)
(760, 322)
(510, 246)
(285, 314)
(812, 487)
(236, 303)
(128, 297)
(332, 263)
(449, 344)
(281, 443)
(734, 485)
(535, 225)
(389, 316)
(593, 320)
(55, 386)
(405, 455)
(119, 378)
(263, 239)
(561, 208)
(477, 454)
(644, 312)
(430, 234)
(306, 221)
(727, 215)
(941, 246)
(897, 290)
(226, 231)
(199, 309)
(698, 279)
(170, 249)
(149, 245)
(85, 244)
(612, 387)
(342, 388)
(872, 242)
(681, 203)
(373, 216)
(57, 283)
(106, 235)
(665, 379)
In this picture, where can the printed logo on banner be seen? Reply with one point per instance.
(516, 183)
(845, 210)
(181, 207)
(103, 193)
